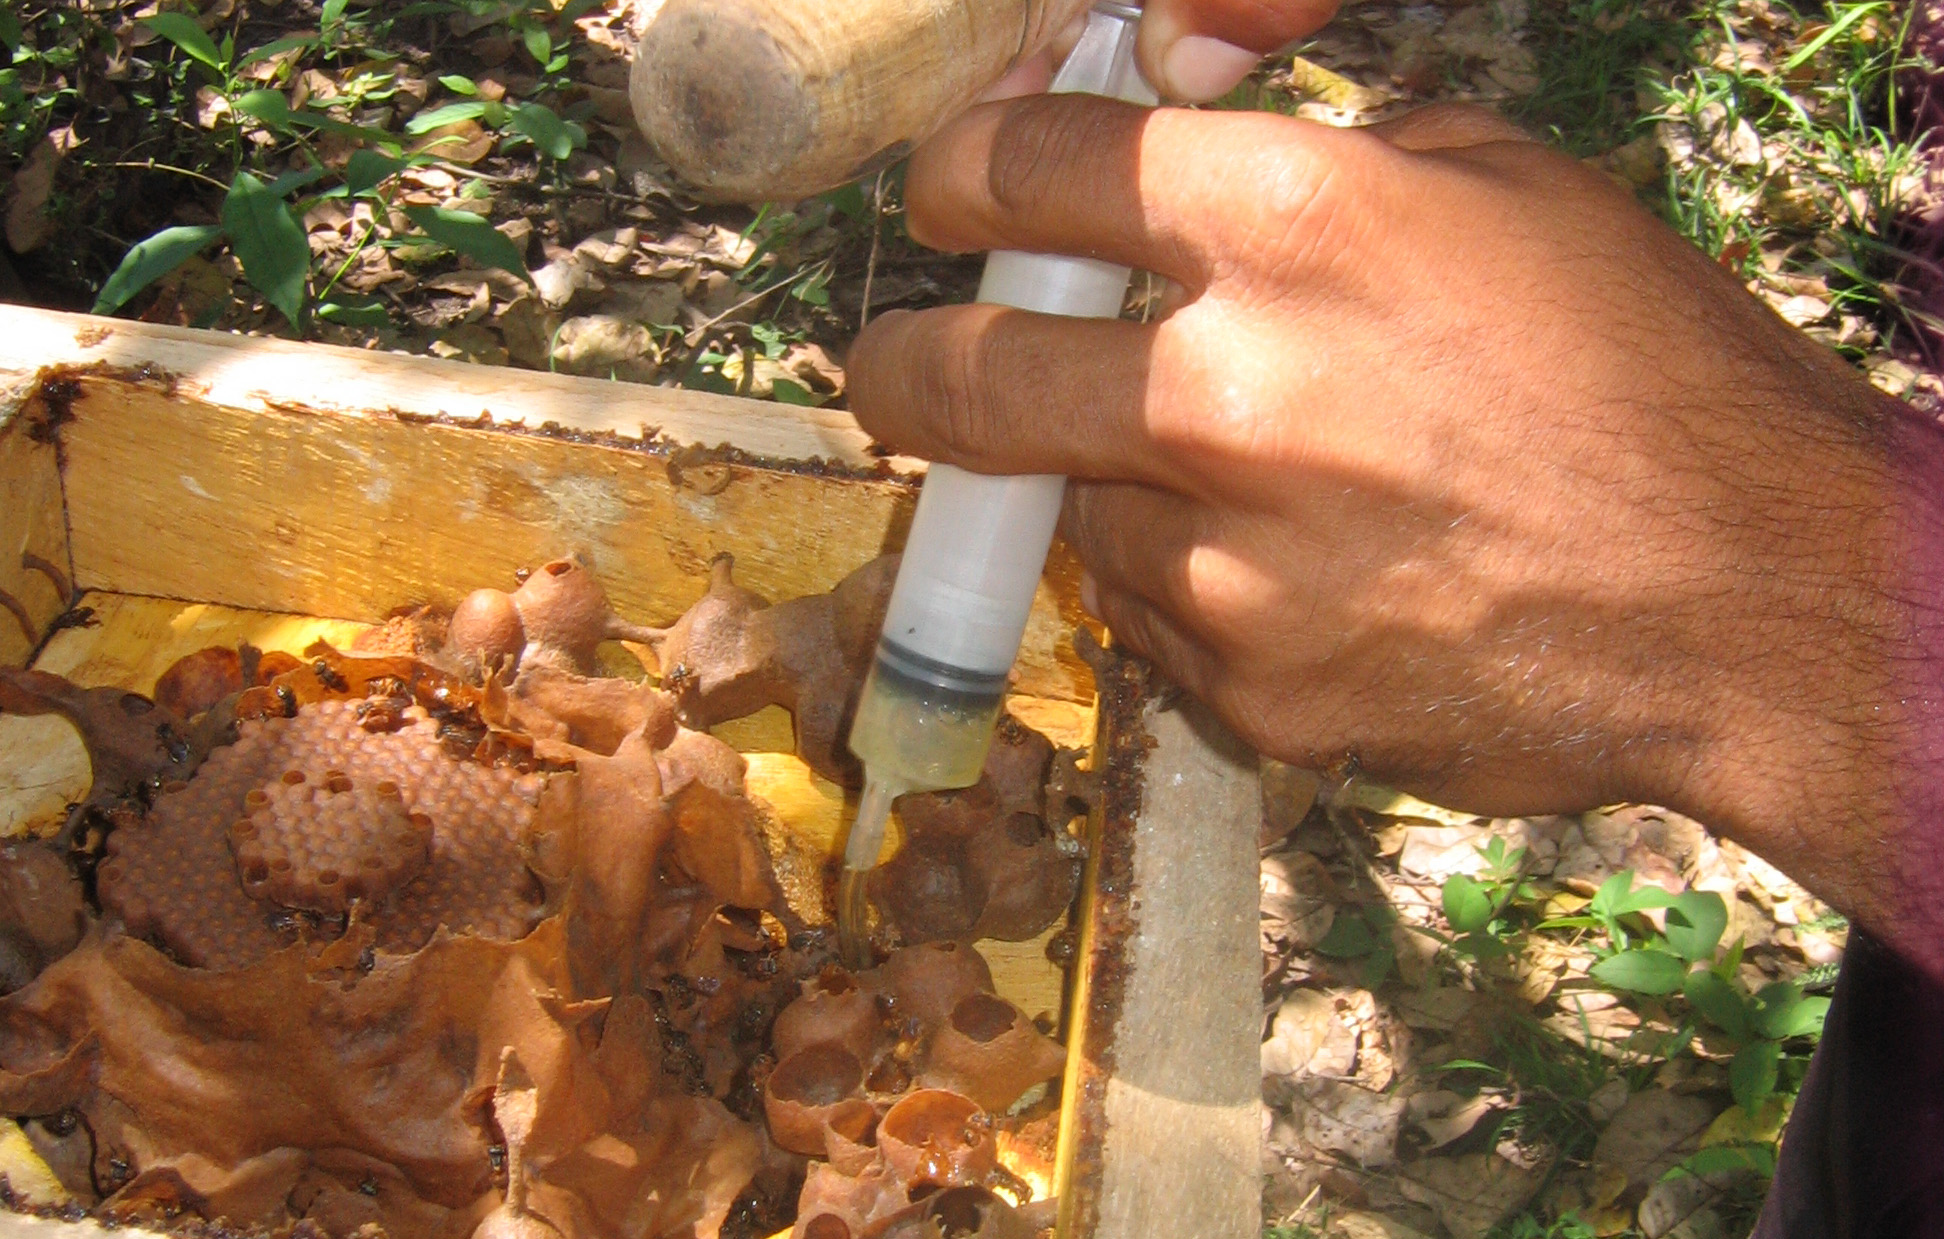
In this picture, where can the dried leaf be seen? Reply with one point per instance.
(1444, 1116)
(1303, 1023)
(1298, 902)
(596, 344)
(1650, 1134)
(1343, 1118)
(28, 224)
(1473, 1193)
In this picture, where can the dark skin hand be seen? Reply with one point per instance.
(1450, 460)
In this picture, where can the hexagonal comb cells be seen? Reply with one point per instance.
(316, 814)
(449, 936)
(321, 842)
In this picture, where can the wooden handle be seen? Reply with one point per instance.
(776, 100)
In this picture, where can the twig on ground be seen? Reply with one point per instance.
(152, 165)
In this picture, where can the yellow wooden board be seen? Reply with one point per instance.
(351, 517)
(134, 640)
(31, 524)
(43, 767)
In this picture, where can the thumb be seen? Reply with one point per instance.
(1197, 50)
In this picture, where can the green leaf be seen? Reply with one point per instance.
(1718, 1002)
(1807, 1020)
(787, 392)
(848, 200)
(149, 260)
(1717, 1158)
(355, 311)
(1616, 897)
(1467, 904)
(1377, 966)
(270, 245)
(277, 47)
(183, 31)
(1781, 1012)
(332, 13)
(271, 109)
(1695, 923)
(539, 44)
(1606, 900)
(813, 290)
(268, 106)
(366, 170)
(1752, 1075)
(1348, 938)
(470, 235)
(1808, 50)
(1644, 898)
(556, 137)
(459, 84)
(1643, 971)
(1483, 946)
(290, 182)
(450, 114)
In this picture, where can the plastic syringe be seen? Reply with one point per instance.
(976, 549)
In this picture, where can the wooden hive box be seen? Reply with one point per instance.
(196, 489)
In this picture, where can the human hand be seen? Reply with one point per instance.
(1191, 51)
(1449, 459)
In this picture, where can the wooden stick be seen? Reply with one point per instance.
(755, 100)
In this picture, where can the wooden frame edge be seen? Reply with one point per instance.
(254, 372)
(1161, 1132)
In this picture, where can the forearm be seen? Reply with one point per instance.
(1914, 923)
(1829, 760)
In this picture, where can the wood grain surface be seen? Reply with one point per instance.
(1161, 1135)
(756, 101)
(256, 373)
(301, 478)
(32, 523)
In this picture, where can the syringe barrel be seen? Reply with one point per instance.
(978, 543)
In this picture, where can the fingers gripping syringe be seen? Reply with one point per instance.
(976, 549)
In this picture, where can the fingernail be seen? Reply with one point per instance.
(1089, 595)
(1199, 68)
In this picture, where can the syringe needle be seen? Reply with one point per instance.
(860, 854)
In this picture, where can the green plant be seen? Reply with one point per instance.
(550, 134)
(1363, 935)
(260, 219)
(1797, 169)
(1476, 907)
(1526, 1226)
(1591, 56)
(1758, 1025)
